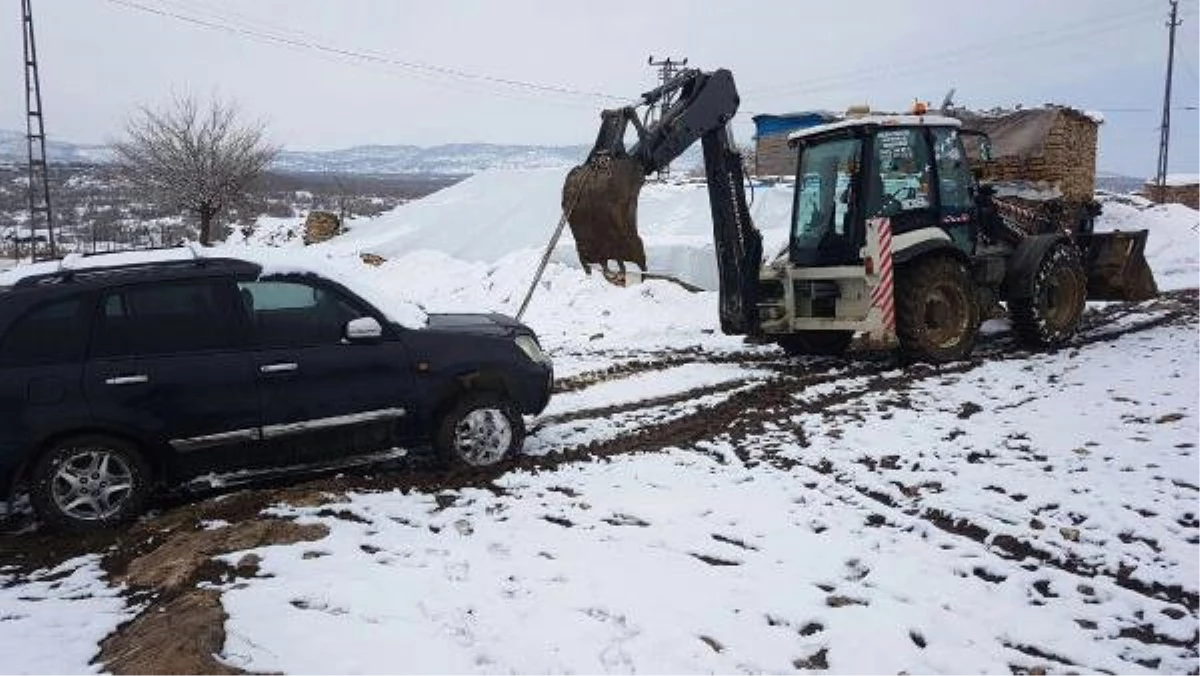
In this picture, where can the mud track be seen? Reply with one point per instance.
(182, 531)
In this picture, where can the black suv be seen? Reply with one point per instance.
(118, 379)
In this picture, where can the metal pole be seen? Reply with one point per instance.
(537, 276)
(35, 133)
(1164, 141)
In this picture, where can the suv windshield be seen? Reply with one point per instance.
(826, 198)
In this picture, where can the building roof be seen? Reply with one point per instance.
(1176, 180)
(878, 120)
(768, 124)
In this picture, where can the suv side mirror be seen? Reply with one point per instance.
(363, 329)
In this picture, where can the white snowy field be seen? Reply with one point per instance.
(690, 503)
(771, 554)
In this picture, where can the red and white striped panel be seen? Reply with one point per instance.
(882, 296)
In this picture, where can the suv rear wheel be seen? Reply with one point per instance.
(89, 482)
(480, 430)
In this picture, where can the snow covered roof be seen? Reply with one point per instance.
(350, 272)
(880, 120)
(1176, 180)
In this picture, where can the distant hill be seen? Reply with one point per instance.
(452, 158)
(1117, 183)
(455, 158)
(13, 148)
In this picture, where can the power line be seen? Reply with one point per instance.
(1012, 45)
(311, 44)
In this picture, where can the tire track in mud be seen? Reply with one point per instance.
(754, 408)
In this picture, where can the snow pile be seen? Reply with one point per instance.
(52, 620)
(489, 216)
(1173, 244)
(569, 309)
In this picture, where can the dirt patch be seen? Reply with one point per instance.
(179, 558)
(180, 636)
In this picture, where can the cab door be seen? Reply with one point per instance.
(957, 212)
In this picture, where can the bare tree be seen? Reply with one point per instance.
(200, 160)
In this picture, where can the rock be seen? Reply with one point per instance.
(321, 226)
(1071, 534)
(374, 260)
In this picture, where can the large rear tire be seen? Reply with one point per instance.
(1050, 317)
(828, 343)
(937, 316)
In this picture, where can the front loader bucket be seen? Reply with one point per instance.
(600, 200)
(1116, 266)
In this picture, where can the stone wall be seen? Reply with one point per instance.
(1054, 146)
(1174, 194)
(773, 157)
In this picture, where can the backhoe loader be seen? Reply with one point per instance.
(892, 234)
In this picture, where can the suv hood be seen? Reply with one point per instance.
(484, 324)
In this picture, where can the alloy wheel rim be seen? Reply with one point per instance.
(483, 436)
(91, 484)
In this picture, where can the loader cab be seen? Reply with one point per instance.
(912, 170)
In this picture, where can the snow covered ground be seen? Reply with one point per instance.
(688, 503)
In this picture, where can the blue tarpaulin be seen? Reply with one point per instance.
(771, 125)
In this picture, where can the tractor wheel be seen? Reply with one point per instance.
(937, 317)
(831, 343)
(1051, 315)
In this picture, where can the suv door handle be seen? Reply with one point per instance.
(127, 380)
(282, 367)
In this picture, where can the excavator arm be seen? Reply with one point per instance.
(600, 196)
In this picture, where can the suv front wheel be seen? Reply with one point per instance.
(89, 482)
(479, 430)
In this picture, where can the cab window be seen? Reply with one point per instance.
(826, 200)
(902, 173)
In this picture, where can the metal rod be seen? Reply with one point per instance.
(554, 238)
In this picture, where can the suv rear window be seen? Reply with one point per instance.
(163, 319)
(52, 333)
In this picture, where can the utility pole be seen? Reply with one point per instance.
(667, 69)
(1164, 141)
(35, 134)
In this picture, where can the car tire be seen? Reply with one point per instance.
(88, 483)
(479, 430)
(1051, 316)
(824, 343)
(937, 314)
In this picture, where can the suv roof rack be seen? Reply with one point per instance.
(71, 267)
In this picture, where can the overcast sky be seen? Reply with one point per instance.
(356, 72)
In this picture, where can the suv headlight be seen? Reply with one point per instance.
(530, 347)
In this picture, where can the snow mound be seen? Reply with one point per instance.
(494, 214)
(1173, 243)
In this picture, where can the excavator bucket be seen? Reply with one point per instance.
(600, 200)
(1116, 266)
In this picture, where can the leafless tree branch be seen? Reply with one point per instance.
(200, 160)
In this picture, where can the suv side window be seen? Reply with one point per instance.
(53, 333)
(296, 313)
(163, 319)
